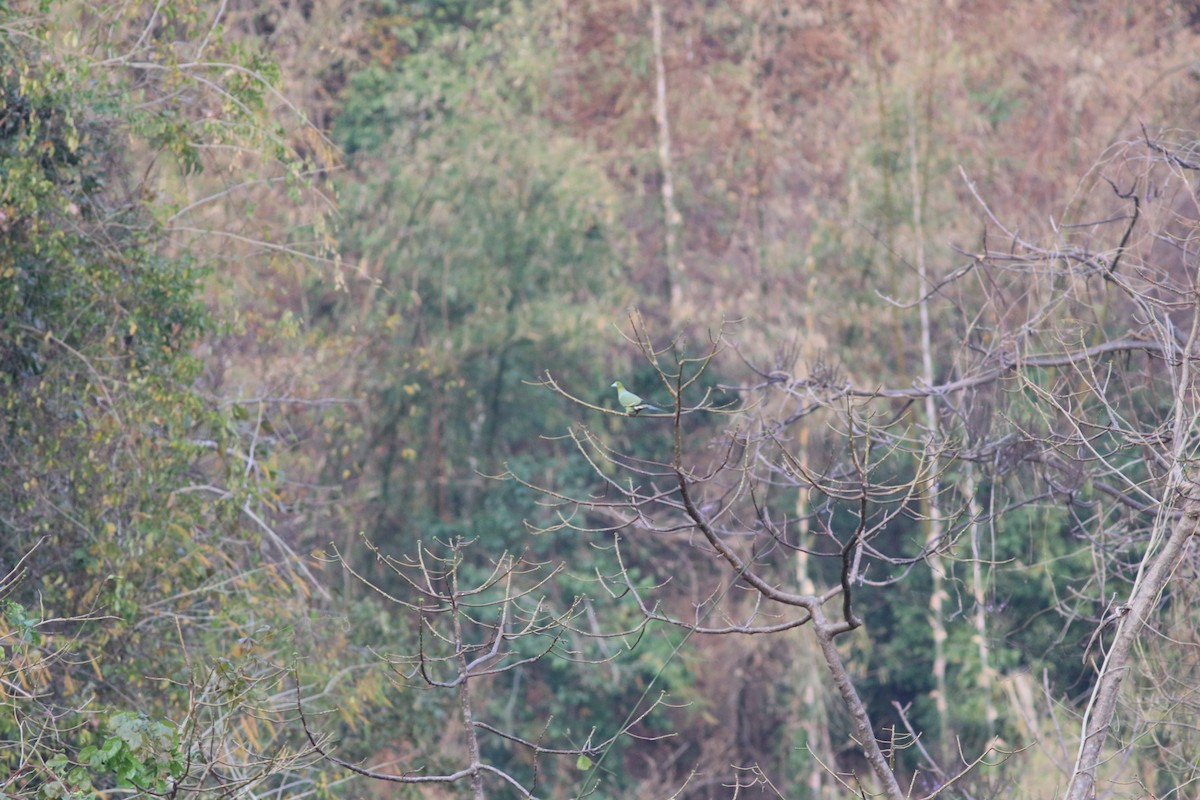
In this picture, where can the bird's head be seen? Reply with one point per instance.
(617, 385)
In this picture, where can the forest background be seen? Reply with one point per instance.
(310, 464)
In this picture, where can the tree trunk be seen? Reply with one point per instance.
(979, 593)
(880, 766)
(932, 510)
(1133, 616)
(670, 215)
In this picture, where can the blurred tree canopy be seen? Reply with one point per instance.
(279, 285)
(492, 245)
(151, 609)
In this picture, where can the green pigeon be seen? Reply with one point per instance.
(632, 404)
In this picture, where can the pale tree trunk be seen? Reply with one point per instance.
(464, 693)
(933, 516)
(979, 593)
(813, 716)
(810, 716)
(670, 215)
(1132, 617)
(888, 211)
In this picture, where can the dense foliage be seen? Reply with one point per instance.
(308, 317)
(147, 609)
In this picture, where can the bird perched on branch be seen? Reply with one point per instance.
(629, 401)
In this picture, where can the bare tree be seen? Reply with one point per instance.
(1123, 414)
(469, 634)
(712, 505)
(674, 267)
(1070, 380)
(1066, 378)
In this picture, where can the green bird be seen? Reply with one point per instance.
(632, 404)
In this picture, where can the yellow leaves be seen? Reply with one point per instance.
(408, 454)
(250, 730)
(350, 710)
(411, 389)
(90, 596)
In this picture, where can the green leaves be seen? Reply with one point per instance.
(24, 625)
(496, 261)
(127, 482)
(139, 753)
